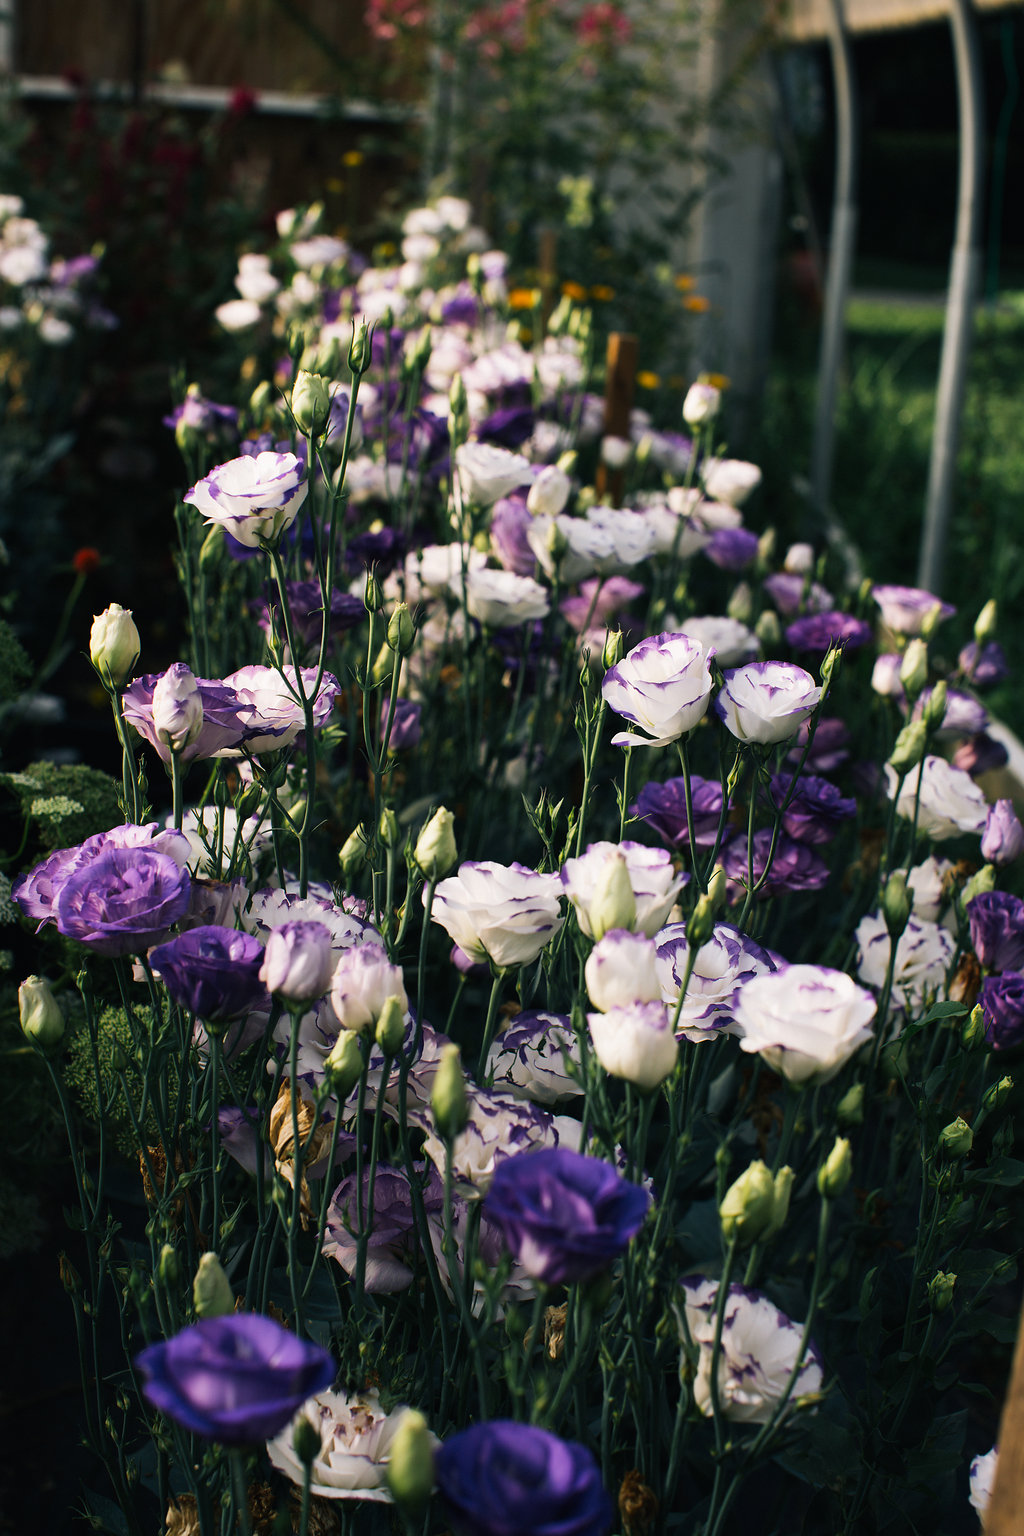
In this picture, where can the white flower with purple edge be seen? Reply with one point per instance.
(720, 968)
(531, 1057)
(805, 1021)
(363, 981)
(273, 703)
(502, 913)
(730, 642)
(760, 1348)
(924, 953)
(949, 804)
(1003, 838)
(253, 497)
(621, 969)
(983, 1476)
(766, 701)
(635, 1042)
(500, 598)
(355, 1446)
(652, 876)
(662, 686)
(500, 1125)
(905, 609)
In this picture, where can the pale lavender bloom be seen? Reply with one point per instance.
(226, 720)
(254, 499)
(392, 1245)
(1003, 837)
(980, 754)
(662, 686)
(965, 715)
(805, 1021)
(297, 963)
(885, 675)
(721, 966)
(275, 714)
(597, 602)
(759, 1349)
(622, 969)
(530, 1058)
(905, 609)
(502, 913)
(983, 666)
(510, 523)
(792, 593)
(983, 1476)
(766, 701)
(654, 881)
(950, 802)
(406, 724)
(924, 953)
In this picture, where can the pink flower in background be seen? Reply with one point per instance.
(385, 18)
(603, 25)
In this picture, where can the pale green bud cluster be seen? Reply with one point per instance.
(755, 1207)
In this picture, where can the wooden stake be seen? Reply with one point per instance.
(1005, 1514)
(620, 383)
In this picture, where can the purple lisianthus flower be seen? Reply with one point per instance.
(964, 714)
(1002, 1001)
(508, 427)
(819, 631)
(996, 921)
(565, 1217)
(508, 1479)
(406, 724)
(510, 521)
(794, 867)
(732, 549)
(905, 609)
(306, 603)
(829, 749)
(123, 901)
(236, 1379)
(980, 754)
(253, 498)
(791, 592)
(213, 972)
(37, 891)
(816, 810)
(1003, 838)
(226, 719)
(597, 602)
(383, 550)
(983, 666)
(663, 807)
(392, 1240)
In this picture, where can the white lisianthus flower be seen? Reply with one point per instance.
(356, 1436)
(675, 531)
(701, 404)
(805, 1021)
(924, 953)
(363, 981)
(529, 1059)
(950, 802)
(730, 642)
(652, 881)
(766, 701)
(983, 1476)
(570, 548)
(434, 571)
(238, 314)
(635, 1043)
(622, 969)
(663, 686)
(254, 280)
(500, 1125)
(549, 492)
(318, 251)
(500, 599)
(730, 480)
(616, 452)
(487, 473)
(276, 708)
(632, 537)
(759, 1349)
(502, 913)
(929, 887)
(252, 497)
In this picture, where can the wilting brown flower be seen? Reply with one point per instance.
(314, 1139)
(638, 1505)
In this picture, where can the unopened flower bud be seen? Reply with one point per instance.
(168, 1270)
(401, 629)
(388, 829)
(177, 707)
(985, 623)
(614, 649)
(390, 1030)
(956, 1138)
(549, 492)
(435, 850)
(352, 856)
(211, 1290)
(850, 1109)
(410, 1467)
(298, 961)
(311, 402)
(782, 1190)
(940, 1291)
(359, 351)
(741, 603)
(896, 903)
(931, 621)
(114, 645)
(262, 398)
(909, 748)
(914, 668)
(766, 546)
(747, 1210)
(718, 888)
(306, 1441)
(343, 1065)
(373, 597)
(997, 1095)
(974, 1029)
(981, 882)
(700, 925)
(833, 657)
(935, 706)
(42, 1021)
(612, 904)
(211, 548)
(701, 404)
(836, 1171)
(448, 1098)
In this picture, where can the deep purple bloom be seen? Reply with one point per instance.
(816, 810)
(406, 724)
(731, 549)
(980, 754)
(201, 415)
(818, 631)
(507, 428)
(1003, 838)
(1002, 999)
(508, 1479)
(383, 550)
(663, 807)
(463, 308)
(829, 749)
(123, 901)
(236, 1379)
(213, 972)
(795, 867)
(563, 1216)
(305, 600)
(996, 922)
(983, 666)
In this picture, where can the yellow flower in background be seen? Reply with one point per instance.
(334, 184)
(523, 298)
(684, 282)
(696, 303)
(602, 293)
(574, 291)
(648, 380)
(353, 157)
(716, 380)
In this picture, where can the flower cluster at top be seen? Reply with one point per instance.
(45, 294)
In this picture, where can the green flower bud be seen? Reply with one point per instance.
(114, 645)
(612, 904)
(766, 546)
(410, 1468)
(306, 1441)
(328, 359)
(741, 603)
(909, 748)
(747, 1210)
(373, 597)
(985, 623)
(568, 461)
(782, 1189)
(896, 903)
(914, 668)
(311, 402)
(211, 548)
(262, 398)
(981, 881)
(700, 925)
(832, 659)
(401, 629)
(42, 1021)
(850, 1109)
(614, 648)
(935, 708)
(956, 1138)
(931, 621)
(390, 1030)
(718, 888)
(768, 629)
(940, 1291)
(997, 1095)
(352, 856)
(389, 831)
(168, 1270)
(974, 1029)
(359, 349)
(211, 1289)
(343, 1066)
(448, 1098)
(836, 1171)
(435, 851)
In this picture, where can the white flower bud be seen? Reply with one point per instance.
(40, 1013)
(435, 850)
(114, 645)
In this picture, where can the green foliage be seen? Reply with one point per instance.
(15, 666)
(100, 1094)
(67, 801)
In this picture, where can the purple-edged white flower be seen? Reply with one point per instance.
(549, 492)
(500, 1125)
(759, 1350)
(502, 913)
(364, 979)
(531, 1057)
(730, 642)
(929, 884)
(950, 802)
(635, 1043)
(500, 599)
(766, 701)
(701, 403)
(596, 884)
(356, 1436)
(177, 708)
(662, 686)
(252, 498)
(720, 967)
(621, 969)
(924, 953)
(487, 473)
(983, 1476)
(805, 1021)
(905, 609)
(730, 480)
(298, 961)
(392, 1243)
(272, 706)
(1003, 838)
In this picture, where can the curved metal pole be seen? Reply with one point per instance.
(964, 275)
(840, 264)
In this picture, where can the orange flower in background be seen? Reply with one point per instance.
(86, 560)
(602, 293)
(684, 282)
(574, 291)
(648, 380)
(696, 303)
(716, 380)
(523, 298)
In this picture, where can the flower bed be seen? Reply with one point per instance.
(561, 1065)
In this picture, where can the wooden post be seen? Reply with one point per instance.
(1005, 1514)
(547, 270)
(619, 384)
